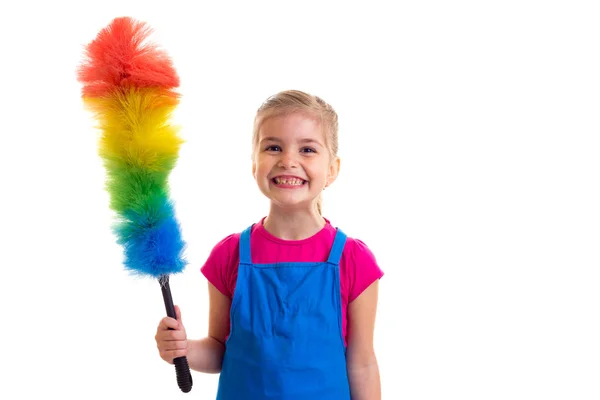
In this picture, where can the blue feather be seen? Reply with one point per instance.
(152, 242)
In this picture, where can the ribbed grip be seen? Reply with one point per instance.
(182, 369)
(184, 377)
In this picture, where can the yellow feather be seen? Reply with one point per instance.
(136, 128)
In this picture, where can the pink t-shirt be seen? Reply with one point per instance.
(358, 267)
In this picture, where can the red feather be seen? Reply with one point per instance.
(119, 57)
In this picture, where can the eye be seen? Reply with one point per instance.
(273, 148)
(308, 150)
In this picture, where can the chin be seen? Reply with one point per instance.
(293, 204)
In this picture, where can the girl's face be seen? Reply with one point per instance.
(292, 164)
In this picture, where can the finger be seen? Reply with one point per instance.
(169, 355)
(176, 345)
(168, 323)
(171, 346)
(170, 335)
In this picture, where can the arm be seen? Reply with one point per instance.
(362, 367)
(204, 355)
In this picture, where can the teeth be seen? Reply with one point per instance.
(289, 181)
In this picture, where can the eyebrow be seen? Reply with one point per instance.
(277, 140)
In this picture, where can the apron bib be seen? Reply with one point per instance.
(286, 331)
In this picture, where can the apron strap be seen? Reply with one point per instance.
(338, 247)
(245, 256)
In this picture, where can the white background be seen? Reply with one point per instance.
(470, 166)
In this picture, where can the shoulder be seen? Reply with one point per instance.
(225, 246)
(359, 267)
(356, 249)
(227, 242)
(219, 266)
(359, 259)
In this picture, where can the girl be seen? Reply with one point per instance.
(292, 299)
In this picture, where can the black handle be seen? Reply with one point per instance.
(182, 369)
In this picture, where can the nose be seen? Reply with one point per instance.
(287, 160)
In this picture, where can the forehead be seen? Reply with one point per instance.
(290, 127)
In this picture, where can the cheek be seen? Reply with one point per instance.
(263, 167)
(318, 172)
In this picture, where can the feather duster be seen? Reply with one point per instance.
(130, 86)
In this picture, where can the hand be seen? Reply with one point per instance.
(171, 343)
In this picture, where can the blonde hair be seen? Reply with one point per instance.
(295, 101)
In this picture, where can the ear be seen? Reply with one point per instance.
(334, 170)
(254, 169)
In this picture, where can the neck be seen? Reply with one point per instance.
(293, 225)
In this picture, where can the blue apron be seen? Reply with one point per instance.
(286, 331)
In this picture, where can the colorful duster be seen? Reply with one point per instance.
(130, 84)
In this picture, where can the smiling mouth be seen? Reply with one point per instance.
(288, 181)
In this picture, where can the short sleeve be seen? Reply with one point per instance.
(363, 269)
(218, 268)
